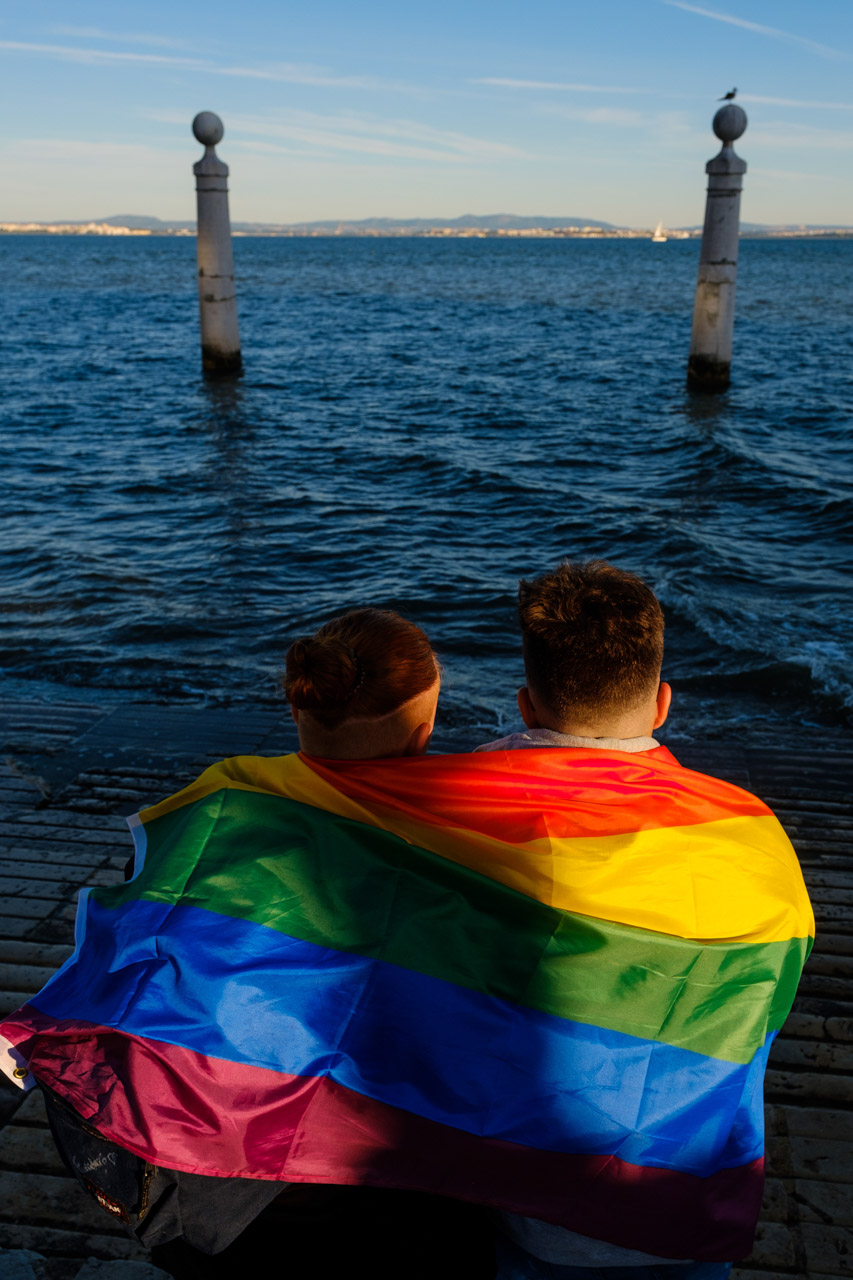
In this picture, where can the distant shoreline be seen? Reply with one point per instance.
(430, 233)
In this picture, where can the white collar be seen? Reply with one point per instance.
(551, 738)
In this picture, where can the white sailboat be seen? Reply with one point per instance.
(659, 237)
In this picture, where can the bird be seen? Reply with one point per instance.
(727, 97)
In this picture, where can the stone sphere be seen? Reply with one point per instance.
(729, 122)
(208, 128)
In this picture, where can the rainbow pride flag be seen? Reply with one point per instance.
(545, 980)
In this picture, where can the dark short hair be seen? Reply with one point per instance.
(362, 665)
(592, 637)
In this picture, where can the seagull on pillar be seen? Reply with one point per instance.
(727, 97)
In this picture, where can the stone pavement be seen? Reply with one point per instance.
(69, 774)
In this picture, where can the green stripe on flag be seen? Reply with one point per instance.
(352, 887)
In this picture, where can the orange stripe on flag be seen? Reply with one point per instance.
(711, 880)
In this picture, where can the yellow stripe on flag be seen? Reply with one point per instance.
(730, 880)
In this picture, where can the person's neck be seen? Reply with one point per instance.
(625, 727)
(637, 721)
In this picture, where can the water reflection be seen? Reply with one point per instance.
(706, 411)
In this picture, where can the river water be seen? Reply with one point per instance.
(420, 423)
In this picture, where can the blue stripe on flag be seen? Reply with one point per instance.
(229, 988)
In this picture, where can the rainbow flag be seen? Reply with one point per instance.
(545, 980)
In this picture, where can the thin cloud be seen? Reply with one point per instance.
(133, 37)
(292, 73)
(558, 85)
(287, 73)
(796, 102)
(619, 116)
(93, 57)
(790, 173)
(775, 32)
(403, 139)
(78, 150)
(661, 123)
(276, 149)
(318, 142)
(792, 134)
(611, 115)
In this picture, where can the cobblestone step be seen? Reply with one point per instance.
(46, 1199)
(32, 953)
(69, 1242)
(28, 1150)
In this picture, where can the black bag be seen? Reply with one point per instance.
(153, 1204)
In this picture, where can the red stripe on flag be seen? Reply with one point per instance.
(518, 796)
(185, 1111)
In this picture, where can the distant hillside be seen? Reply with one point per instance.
(783, 228)
(493, 225)
(332, 226)
(789, 228)
(467, 221)
(472, 221)
(142, 222)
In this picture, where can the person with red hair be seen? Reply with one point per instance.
(363, 687)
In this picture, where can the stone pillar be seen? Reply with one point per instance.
(220, 336)
(714, 310)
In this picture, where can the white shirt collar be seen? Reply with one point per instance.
(551, 738)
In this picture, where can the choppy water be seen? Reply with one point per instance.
(420, 423)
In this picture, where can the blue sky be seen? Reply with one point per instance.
(340, 110)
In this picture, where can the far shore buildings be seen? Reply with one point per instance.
(71, 229)
(431, 230)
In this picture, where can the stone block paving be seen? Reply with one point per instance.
(71, 773)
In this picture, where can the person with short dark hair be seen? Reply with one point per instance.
(592, 639)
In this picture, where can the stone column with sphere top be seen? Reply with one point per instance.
(220, 336)
(709, 366)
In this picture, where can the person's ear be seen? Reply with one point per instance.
(664, 699)
(418, 741)
(527, 709)
(294, 713)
